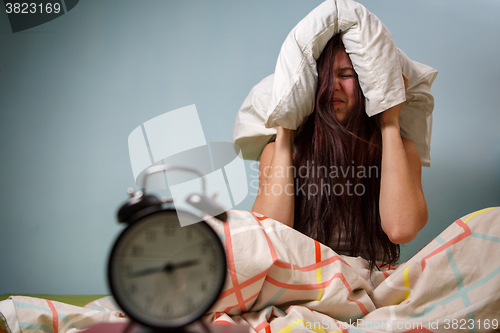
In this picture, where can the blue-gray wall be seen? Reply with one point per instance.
(73, 89)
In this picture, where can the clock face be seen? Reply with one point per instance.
(164, 275)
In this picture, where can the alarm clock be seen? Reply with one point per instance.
(162, 275)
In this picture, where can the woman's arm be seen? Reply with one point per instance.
(275, 198)
(403, 210)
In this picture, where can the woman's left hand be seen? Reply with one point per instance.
(391, 115)
(403, 210)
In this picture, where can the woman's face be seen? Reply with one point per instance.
(344, 96)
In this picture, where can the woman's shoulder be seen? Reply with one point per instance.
(268, 151)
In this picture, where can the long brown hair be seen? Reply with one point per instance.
(338, 159)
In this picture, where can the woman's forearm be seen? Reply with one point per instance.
(275, 198)
(403, 211)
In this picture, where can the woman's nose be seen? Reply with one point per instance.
(336, 84)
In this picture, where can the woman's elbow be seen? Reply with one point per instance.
(402, 236)
(406, 232)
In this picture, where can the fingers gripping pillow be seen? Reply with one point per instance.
(290, 95)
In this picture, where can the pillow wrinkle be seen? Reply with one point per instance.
(295, 82)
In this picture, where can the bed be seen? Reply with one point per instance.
(452, 284)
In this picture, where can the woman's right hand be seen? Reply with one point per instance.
(391, 115)
(275, 197)
(285, 134)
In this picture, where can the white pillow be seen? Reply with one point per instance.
(415, 119)
(290, 95)
(367, 41)
(249, 131)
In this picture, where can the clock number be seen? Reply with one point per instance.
(149, 302)
(137, 250)
(150, 235)
(189, 303)
(166, 309)
(206, 246)
(203, 286)
(211, 266)
(170, 229)
(133, 289)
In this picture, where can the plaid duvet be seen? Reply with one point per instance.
(280, 280)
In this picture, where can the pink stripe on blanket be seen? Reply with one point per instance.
(317, 250)
(261, 326)
(285, 265)
(312, 267)
(271, 248)
(361, 306)
(318, 286)
(246, 301)
(245, 284)
(232, 268)
(259, 218)
(342, 328)
(280, 264)
(391, 268)
(312, 286)
(457, 239)
(320, 264)
(55, 317)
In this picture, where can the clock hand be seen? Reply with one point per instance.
(169, 267)
(146, 271)
(187, 263)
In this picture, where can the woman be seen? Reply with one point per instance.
(343, 200)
